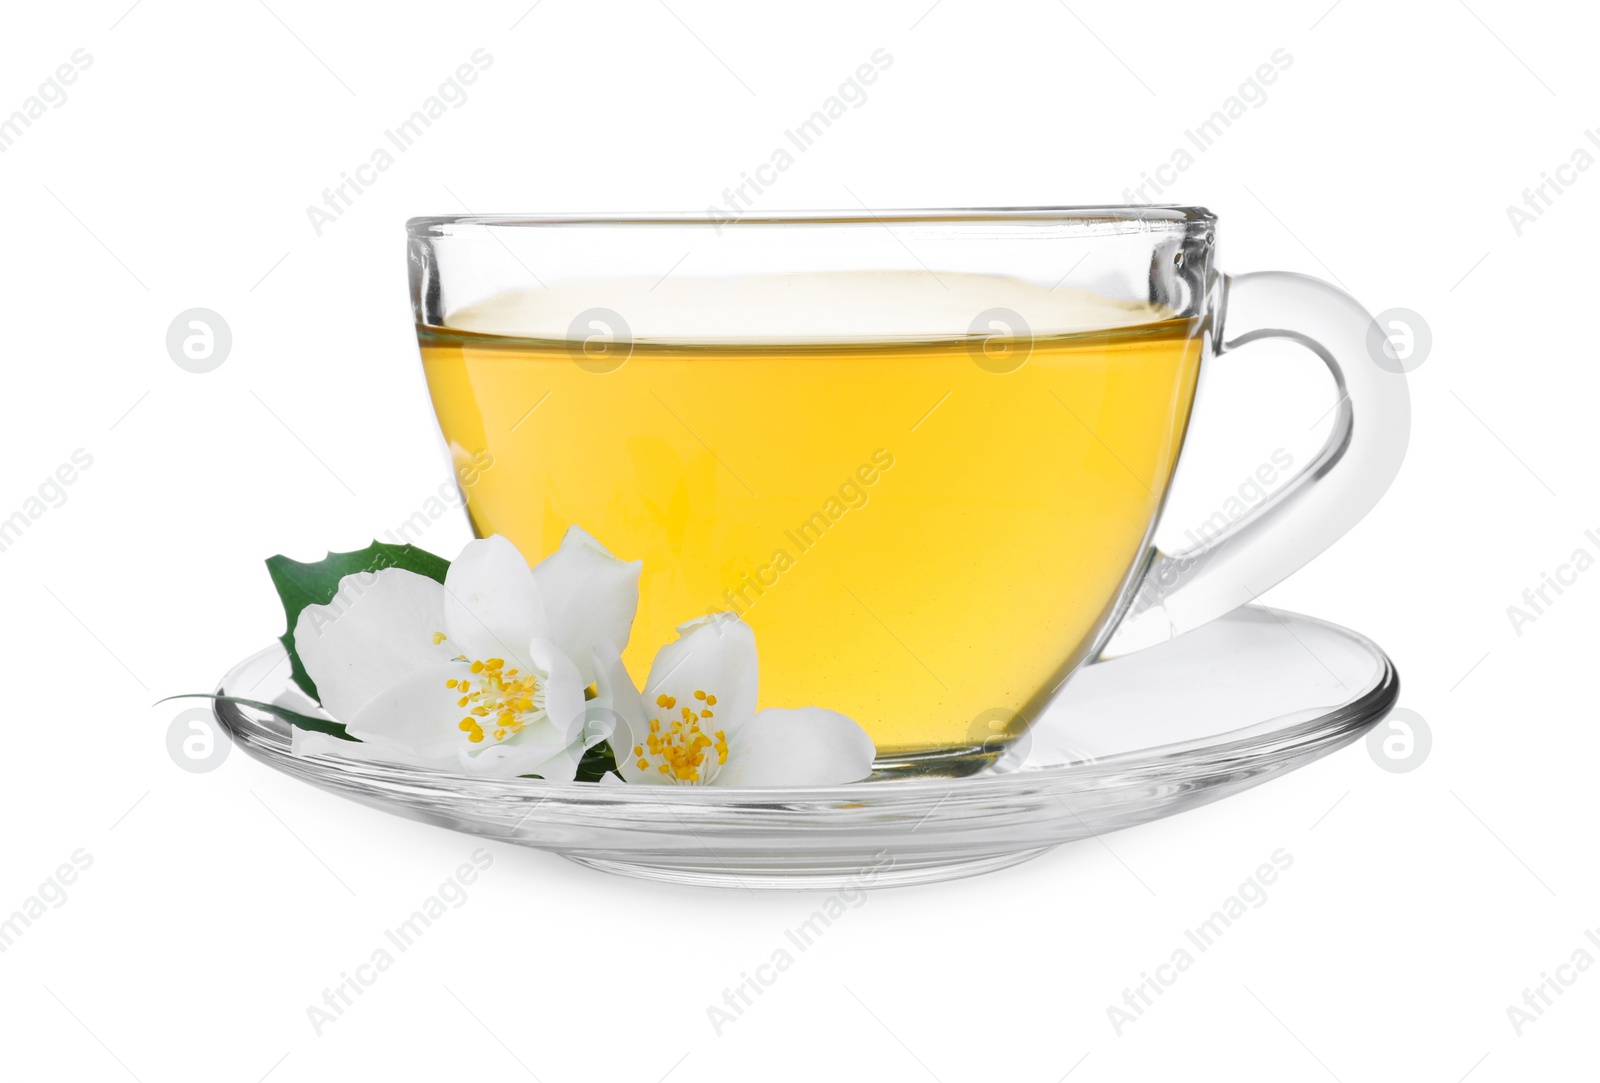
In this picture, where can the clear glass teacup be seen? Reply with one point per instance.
(922, 454)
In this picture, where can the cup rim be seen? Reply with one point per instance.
(1151, 216)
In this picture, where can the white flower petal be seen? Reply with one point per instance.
(804, 746)
(562, 724)
(419, 713)
(291, 698)
(519, 755)
(312, 743)
(715, 655)
(628, 767)
(492, 606)
(620, 700)
(563, 688)
(378, 628)
(589, 597)
(563, 766)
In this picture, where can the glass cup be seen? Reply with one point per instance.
(922, 454)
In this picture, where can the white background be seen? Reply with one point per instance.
(219, 906)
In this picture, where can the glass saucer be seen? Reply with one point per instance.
(1222, 708)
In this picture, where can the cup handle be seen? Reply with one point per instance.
(1183, 590)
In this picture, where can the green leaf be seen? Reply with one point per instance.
(300, 585)
(597, 762)
(294, 718)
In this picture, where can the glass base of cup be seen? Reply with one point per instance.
(956, 762)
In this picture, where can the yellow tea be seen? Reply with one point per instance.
(917, 540)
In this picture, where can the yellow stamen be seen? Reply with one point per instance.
(677, 746)
(508, 701)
